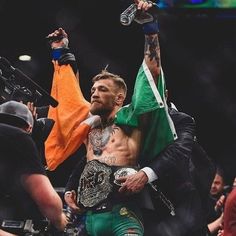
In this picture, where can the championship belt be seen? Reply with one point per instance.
(94, 184)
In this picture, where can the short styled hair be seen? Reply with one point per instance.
(104, 74)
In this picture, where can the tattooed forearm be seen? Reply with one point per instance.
(152, 48)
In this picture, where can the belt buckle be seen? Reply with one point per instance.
(94, 186)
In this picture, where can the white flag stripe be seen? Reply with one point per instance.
(172, 127)
(152, 84)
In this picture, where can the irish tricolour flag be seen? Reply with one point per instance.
(72, 120)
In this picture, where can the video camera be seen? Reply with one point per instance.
(41, 226)
(24, 227)
(15, 85)
(29, 227)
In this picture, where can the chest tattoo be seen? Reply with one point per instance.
(99, 137)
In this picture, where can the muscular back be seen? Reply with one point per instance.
(113, 145)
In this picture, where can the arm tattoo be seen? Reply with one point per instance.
(99, 138)
(152, 48)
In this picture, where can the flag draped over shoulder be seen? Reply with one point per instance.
(149, 98)
(68, 132)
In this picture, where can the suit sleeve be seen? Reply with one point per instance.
(73, 181)
(175, 157)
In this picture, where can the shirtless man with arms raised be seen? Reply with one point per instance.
(113, 149)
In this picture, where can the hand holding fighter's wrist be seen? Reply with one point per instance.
(152, 27)
(59, 42)
(58, 39)
(62, 43)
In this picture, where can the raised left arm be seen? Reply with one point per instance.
(152, 50)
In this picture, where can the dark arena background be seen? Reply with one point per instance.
(198, 49)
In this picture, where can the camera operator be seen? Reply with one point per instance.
(26, 192)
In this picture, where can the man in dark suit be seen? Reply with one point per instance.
(173, 169)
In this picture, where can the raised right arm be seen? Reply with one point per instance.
(67, 135)
(151, 45)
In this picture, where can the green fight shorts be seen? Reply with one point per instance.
(121, 220)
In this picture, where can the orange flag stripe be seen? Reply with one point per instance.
(67, 134)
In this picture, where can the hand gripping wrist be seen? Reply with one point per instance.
(58, 41)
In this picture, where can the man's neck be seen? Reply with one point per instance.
(108, 117)
(105, 122)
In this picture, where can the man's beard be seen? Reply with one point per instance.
(100, 111)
